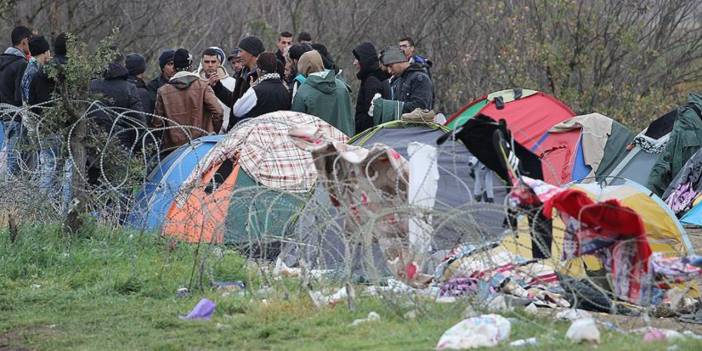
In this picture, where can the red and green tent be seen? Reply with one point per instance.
(528, 113)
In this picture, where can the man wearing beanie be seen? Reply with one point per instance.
(41, 54)
(250, 48)
(186, 102)
(40, 90)
(136, 66)
(165, 62)
(267, 93)
(409, 84)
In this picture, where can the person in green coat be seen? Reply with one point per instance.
(323, 95)
(685, 140)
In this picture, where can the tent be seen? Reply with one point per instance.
(578, 148)
(529, 113)
(644, 150)
(250, 186)
(683, 194)
(163, 182)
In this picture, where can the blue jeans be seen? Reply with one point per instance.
(12, 133)
(48, 169)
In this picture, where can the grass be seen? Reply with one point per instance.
(116, 290)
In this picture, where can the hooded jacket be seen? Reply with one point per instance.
(12, 65)
(188, 102)
(118, 93)
(373, 81)
(115, 88)
(685, 140)
(414, 88)
(325, 96)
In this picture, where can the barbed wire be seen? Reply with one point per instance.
(348, 231)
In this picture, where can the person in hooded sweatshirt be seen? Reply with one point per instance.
(323, 95)
(125, 118)
(267, 93)
(12, 65)
(186, 101)
(373, 79)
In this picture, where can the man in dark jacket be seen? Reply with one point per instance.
(118, 94)
(12, 64)
(267, 94)
(373, 81)
(284, 42)
(409, 83)
(165, 61)
(250, 47)
(42, 86)
(40, 90)
(188, 103)
(136, 66)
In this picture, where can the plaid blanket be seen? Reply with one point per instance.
(267, 153)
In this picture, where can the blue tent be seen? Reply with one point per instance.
(164, 182)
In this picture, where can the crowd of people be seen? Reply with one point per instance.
(300, 75)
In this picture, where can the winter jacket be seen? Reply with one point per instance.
(147, 102)
(42, 86)
(373, 81)
(422, 61)
(685, 140)
(117, 93)
(229, 97)
(325, 96)
(268, 95)
(116, 90)
(156, 84)
(12, 65)
(189, 102)
(414, 88)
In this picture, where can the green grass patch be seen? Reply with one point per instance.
(116, 290)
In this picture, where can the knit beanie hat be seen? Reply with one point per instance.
(266, 62)
(252, 45)
(182, 60)
(136, 64)
(235, 53)
(38, 45)
(392, 55)
(166, 56)
(60, 44)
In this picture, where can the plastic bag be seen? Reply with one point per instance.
(486, 330)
